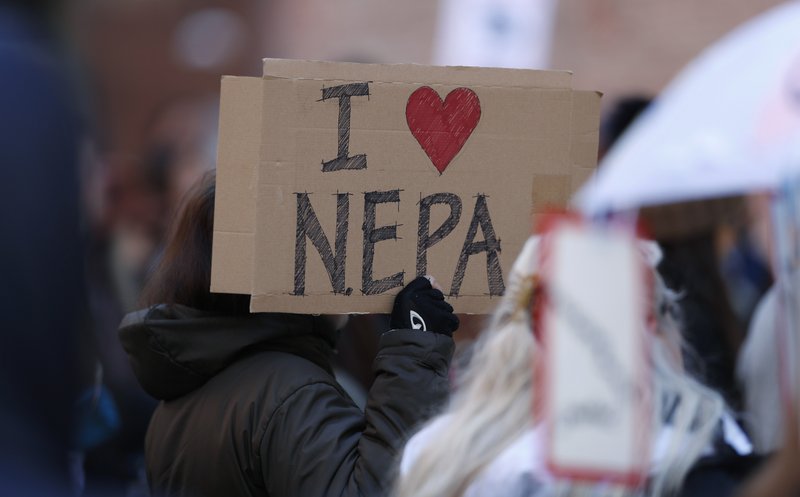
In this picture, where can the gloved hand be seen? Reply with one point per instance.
(419, 306)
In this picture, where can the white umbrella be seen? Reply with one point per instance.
(720, 128)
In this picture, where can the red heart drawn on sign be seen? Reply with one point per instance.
(442, 128)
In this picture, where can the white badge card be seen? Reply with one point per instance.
(593, 327)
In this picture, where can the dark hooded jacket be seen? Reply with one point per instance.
(250, 407)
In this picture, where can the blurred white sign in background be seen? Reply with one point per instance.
(495, 33)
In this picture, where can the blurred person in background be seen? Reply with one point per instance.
(766, 361)
(144, 189)
(137, 209)
(130, 199)
(718, 271)
(764, 352)
(692, 265)
(720, 268)
(622, 114)
(182, 145)
(114, 411)
(43, 290)
(759, 371)
(745, 271)
(249, 404)
(488, 443)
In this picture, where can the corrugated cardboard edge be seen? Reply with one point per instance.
(238, 155)
(415, 73)
(585, 136)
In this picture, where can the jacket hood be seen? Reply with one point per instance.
(175, 349)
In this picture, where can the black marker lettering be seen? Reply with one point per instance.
(308, 226)
(425, 240)
(373, 235)
(490, 245)
(343, 93)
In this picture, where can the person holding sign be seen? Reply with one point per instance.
(492, 440)
(249, 404)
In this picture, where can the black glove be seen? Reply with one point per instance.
(419, 306)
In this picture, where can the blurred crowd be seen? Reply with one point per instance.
(91, 179)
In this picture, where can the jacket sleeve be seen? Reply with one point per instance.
(318, 443)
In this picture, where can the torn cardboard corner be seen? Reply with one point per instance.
(338, 183)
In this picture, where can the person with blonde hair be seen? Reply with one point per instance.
(488, 443)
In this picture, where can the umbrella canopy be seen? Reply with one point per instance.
(721, 128)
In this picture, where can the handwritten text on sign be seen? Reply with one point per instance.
(332, 193)
(441, 128)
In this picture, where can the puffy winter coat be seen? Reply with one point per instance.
(250, 406)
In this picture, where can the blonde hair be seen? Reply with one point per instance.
(492, 405)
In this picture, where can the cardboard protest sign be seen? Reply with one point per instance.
(339, 183)
(595, 379)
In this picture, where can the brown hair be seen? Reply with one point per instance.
(182, 275)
